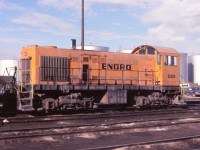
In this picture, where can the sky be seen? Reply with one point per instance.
(117, 24)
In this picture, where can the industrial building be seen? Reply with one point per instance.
(184, 68)
(194, 69)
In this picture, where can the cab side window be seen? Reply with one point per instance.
(158, 59)
(166, 60)
(174, 61)
(170, 60)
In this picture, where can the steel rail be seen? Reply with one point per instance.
(144, 143)
(95, 116)
(32, 135)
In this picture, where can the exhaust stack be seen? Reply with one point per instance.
(73, 44)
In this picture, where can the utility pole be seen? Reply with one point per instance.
(82, 27)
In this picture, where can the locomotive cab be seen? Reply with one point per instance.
(167, 70)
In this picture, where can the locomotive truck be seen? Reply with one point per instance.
(53, 78)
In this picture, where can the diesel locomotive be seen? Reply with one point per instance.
(52, 78)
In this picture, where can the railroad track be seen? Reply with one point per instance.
(90, 111)
(101, 124)
(50, 118)
(88, 128)
(129, 145)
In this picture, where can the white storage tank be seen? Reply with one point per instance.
(10, 65)
(128, 51)
(94, 48)
(194, 69)
(184, 68)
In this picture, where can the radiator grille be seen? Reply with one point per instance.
(54, 68)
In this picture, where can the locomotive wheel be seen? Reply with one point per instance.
(48, 104)
(77, 107)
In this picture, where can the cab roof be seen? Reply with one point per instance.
(157, 48)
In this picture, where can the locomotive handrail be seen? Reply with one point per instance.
(101, 76)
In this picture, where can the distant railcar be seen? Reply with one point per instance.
(52, 78)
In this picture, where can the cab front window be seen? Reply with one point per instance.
(142, 52)
(150, 51)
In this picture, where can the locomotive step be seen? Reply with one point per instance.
(27, 108)
(24, 92)
(25, 99)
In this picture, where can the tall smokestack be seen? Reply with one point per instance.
(82, 27)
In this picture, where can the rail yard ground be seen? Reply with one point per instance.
(174, 128)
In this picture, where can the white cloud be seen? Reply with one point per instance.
(45, 23)
(171, 20)
(11, 6)
(7, 29)
(163, 33)
(116, 24)
(174, 23)
(92, 13)
(11, 41)
(109, 36)
(127, 3)
(174, 12)
(11, 47)
(62, 4)
(9, 54)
